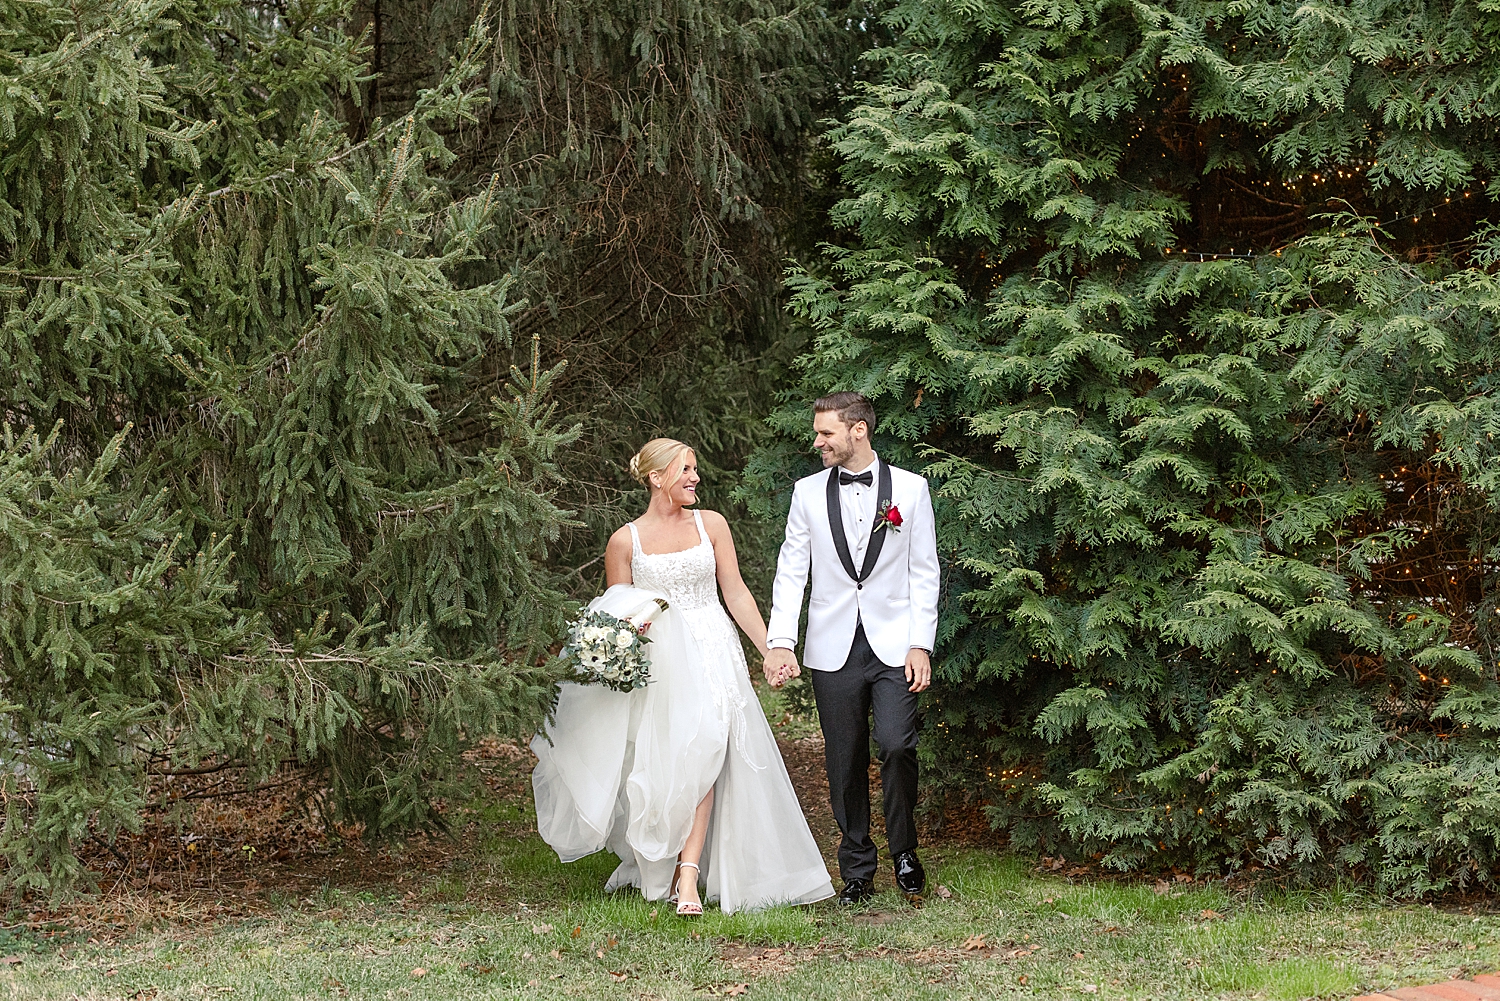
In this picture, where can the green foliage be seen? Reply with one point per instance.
(1188, 311)
(652, 165)
(263, 530)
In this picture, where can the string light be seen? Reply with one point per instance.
(1231, 255)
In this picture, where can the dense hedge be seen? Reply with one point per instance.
(1188, 310)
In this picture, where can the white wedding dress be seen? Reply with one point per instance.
(627, 771)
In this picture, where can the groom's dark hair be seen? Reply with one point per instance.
(851, 408)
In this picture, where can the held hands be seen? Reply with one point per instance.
(918, 669)
(780, 666)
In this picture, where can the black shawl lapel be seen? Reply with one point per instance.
(836, 523)
(877, 531)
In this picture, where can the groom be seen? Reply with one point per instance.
(865, 530)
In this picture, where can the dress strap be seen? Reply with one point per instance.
(703, 538)
(635, 538)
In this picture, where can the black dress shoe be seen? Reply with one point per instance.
(856, 891)
(911, 878)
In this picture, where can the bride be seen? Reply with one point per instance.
(681, 779)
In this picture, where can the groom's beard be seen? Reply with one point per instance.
(838, 454)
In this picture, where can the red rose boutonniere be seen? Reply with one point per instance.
(890, 517)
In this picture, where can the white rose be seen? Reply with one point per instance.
(623, 638)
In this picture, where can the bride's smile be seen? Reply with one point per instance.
(684, 493)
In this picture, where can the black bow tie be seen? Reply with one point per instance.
(863, 479)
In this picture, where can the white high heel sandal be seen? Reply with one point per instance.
(687, 909)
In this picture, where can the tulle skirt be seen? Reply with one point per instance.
(627, 771)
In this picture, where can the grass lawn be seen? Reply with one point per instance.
(499, 917)
(1042, 936)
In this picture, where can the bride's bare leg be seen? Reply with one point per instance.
(692, 850)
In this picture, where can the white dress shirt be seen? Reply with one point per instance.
(857, 507)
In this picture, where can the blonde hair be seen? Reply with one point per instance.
(658, 456)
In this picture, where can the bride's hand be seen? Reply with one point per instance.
(780, 665)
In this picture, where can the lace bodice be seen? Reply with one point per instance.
(690, 581)
(688, 578)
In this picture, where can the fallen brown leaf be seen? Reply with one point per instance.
(974, 942)
(1208, 914)
(419, 972)
(619, 977)
(943, 891)
(734, 990)
(543, 929)
(758, 962)
(555, 954)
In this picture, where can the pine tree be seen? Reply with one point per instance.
(244, 518)
(654, 166)
(1188, 310)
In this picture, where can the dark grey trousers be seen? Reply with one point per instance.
(845, 701)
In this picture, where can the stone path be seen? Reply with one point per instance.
(1482, 988)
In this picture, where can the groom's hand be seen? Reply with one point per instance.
(780, 666)
(918, 669)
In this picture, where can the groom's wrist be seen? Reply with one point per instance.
(781, 644)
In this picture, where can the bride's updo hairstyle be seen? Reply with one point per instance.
(659, 455)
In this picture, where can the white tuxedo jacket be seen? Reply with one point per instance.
(897, 598)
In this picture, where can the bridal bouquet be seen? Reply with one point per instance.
(610, 650)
